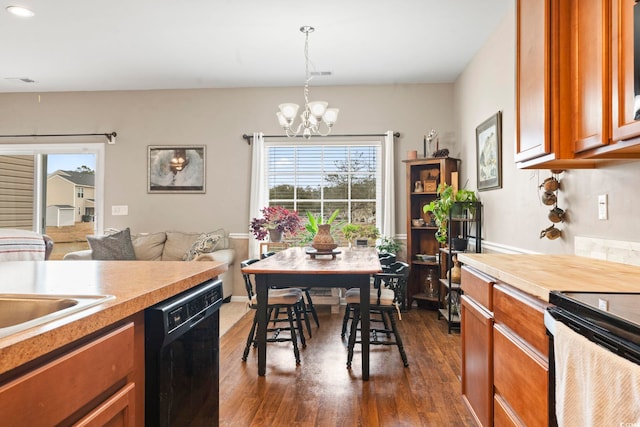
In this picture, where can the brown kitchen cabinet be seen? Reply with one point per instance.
(505, 353)
(575, 83)
(520, 357)
(421, 239)
(477, 345)
(97, 382)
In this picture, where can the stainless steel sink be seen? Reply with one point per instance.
(23, 311)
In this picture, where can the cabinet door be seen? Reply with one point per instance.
(590, 73)
(477, 360)
(624, 54)
(533, 79)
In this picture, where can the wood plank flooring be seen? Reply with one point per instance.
(321, 391)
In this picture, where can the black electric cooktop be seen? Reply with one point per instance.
(617, 313)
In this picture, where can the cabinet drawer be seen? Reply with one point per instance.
(523, 314)
(520, 377)
(478, 286)
(80, 379)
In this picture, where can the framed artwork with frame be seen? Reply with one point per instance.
(176, 169)
(489, 153)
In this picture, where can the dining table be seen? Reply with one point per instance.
(303, 267)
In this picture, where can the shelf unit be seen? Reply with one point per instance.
(465, 221)
(430, 172)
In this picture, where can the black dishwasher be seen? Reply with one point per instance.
(182, 358)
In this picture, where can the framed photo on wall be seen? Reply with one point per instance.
(489, 153)
(176, 169)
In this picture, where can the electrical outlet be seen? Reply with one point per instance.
(120, 210)
(602, 207)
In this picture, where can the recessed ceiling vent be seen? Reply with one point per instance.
(21, 79)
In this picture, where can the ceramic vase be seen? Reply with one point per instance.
(323, 241)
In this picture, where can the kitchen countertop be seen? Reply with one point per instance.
(539, 274)
(135, 285)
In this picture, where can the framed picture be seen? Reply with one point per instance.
(176, 169)
(489, 153)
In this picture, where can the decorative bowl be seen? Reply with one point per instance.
(419, 222)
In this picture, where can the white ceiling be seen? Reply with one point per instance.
(86, 45)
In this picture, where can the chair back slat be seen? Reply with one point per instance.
(247, 277)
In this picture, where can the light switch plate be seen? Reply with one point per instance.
(602, 207)
(120, 210)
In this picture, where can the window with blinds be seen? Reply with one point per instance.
(322, 178)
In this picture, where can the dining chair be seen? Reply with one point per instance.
(309, 308)
(290, 300)
(384, 299)
(386, 259)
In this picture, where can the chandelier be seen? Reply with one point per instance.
(314, 114)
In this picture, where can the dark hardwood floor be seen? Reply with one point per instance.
(321, 391)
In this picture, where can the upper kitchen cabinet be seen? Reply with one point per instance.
(575, 86)
(625, 58)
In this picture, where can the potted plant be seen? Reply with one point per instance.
(275, 222)
(388, 245)
(312, 224)
(441, 206)
(363, 234)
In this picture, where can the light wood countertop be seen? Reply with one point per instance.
(540, 274)
(135, 285)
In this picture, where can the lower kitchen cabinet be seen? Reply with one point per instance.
(477, 345)
(505, 353)
(520, 357)
(95, 383)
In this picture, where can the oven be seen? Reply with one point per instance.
(609, 321)
(182, 358)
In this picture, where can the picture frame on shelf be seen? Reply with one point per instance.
(489, 153)
(176, 169)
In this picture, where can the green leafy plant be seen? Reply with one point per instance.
(389, 245)
(441, 206)
(311, 227)
(353, 232)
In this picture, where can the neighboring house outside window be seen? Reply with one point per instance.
(75, 189)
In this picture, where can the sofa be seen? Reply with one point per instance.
(162, 246)
(24, 245)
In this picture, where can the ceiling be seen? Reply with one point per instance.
(81, 45)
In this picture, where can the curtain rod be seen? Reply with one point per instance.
(248, 138)
(111, 137)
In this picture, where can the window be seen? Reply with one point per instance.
(32, 202)
(321, 178)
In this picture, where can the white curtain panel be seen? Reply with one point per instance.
(258, 189)
(388, 196)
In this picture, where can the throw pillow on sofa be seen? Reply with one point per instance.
(116, 246)
(149, 246)
(204, 244)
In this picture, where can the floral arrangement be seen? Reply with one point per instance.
(275, 218)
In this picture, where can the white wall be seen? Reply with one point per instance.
(216, 118)
(514, 214)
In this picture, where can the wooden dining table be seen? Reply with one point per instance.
(295, 267)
